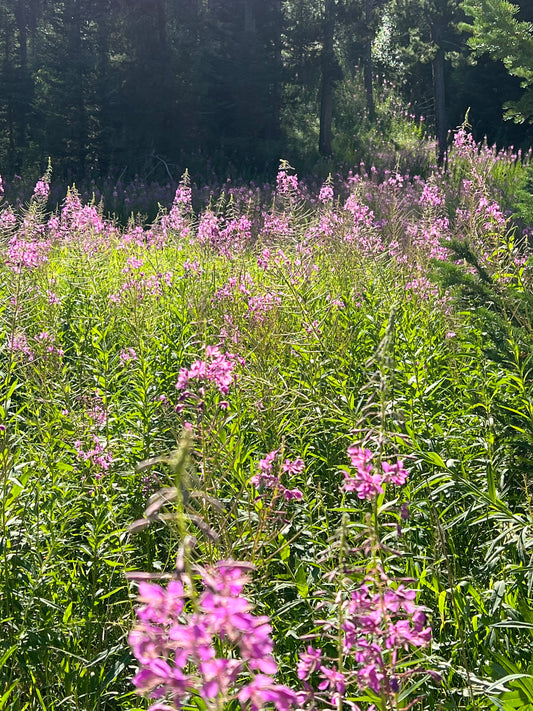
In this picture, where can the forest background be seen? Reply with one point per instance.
(113, 89)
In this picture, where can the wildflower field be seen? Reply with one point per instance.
(272, 450)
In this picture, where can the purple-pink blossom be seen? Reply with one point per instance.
(367, 481)
(267, 479)
(309, 662)
(217, 368)
(182, 652)
(41, 190)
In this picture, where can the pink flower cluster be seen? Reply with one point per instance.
(140, 287)
(41, 190)
(127, 354)
(277, 227)
(182, 653)
(431, 195)
(326, 193)
(379, 621)
(97, 455)
(366, 481)
(26, 253)
(261, 304)
(491, 213)
(179, 218)
(8, 221)
(265, 478)
(287, 185)
(217, 368)
(18, 345)
(45, 345)
(423, 288)
(224, 237)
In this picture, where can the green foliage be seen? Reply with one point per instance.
(346, 349)
(496, 31)
(393, 138)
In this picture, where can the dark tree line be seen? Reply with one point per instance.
(121, 85)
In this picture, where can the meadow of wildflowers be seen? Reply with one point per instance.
(272, 449)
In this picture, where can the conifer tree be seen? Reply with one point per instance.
(497, 31)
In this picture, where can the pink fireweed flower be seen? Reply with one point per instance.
(126, 355)
(26, 253)
(183, 196)
(266, 479)
(326, 193)
(366, 484)
(41, 190)
(219, 675)
(192, 267)
(431, 196)
(18, 345)
(285, 183)
(160, 606)
(179, 218)
(378, 625)
(395, 473)
(292, 494)
(332, 680)
(8, 220)
(53, 298)
(309, 662)
(179, 650)
(366, 481)
(217, 368)
(402, 634)
(265, 465)
(371, 676)
(96, 456)
(132, 263)
(360, 457)
(295, 467)
(263, 259)
(262, 691)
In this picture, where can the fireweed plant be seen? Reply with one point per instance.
(278, 324)
(182, 631)
(373, 621)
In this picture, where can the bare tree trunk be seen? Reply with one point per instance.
(275, 131)
(7, 68)
(249, 18)
(23, 98)
(368, 68)
(104, 146)
(161, 25)
(78, 128)
(328, 80)
(439, 97)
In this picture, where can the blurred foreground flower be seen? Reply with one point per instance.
(182, 636)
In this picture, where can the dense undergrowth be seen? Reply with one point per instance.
(344, 378)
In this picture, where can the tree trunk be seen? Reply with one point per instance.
(249, 18)
(23, 89)
(104, 145)
(79, 137)
(368, 68)
(439, 97)
(328, 80)
(7, 71)
(161, 26)
(275, 93)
